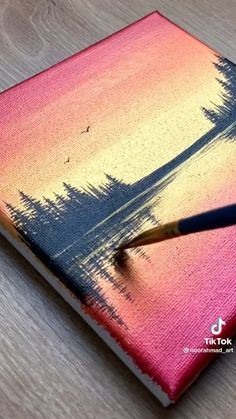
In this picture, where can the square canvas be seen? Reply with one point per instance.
(135, 131)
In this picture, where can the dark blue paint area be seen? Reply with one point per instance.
(75, 234)
(224, 115)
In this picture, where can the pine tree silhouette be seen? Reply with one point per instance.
(75, 234)
(225, 114)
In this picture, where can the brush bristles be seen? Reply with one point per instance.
(120, 258)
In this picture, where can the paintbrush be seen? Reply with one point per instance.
(217, 218)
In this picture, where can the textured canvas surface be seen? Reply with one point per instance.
(138, 129)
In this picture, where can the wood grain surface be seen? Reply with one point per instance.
(51, 364)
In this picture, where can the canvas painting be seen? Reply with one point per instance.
(135, 131)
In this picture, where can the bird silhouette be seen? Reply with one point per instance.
(67, 161)
(86, 130)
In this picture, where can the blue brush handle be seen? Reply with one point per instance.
(217, 218)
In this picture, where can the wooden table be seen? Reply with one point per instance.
(51, 364)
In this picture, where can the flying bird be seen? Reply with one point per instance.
(67, 161)
(86, 130)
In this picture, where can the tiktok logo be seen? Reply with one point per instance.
(216, 328)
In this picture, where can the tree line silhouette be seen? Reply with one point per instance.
(225, 113)
(75, 233)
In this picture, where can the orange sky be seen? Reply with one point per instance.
(152, 65)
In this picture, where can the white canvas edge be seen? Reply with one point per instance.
(75, 303)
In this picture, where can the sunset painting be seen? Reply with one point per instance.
(137, 130)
